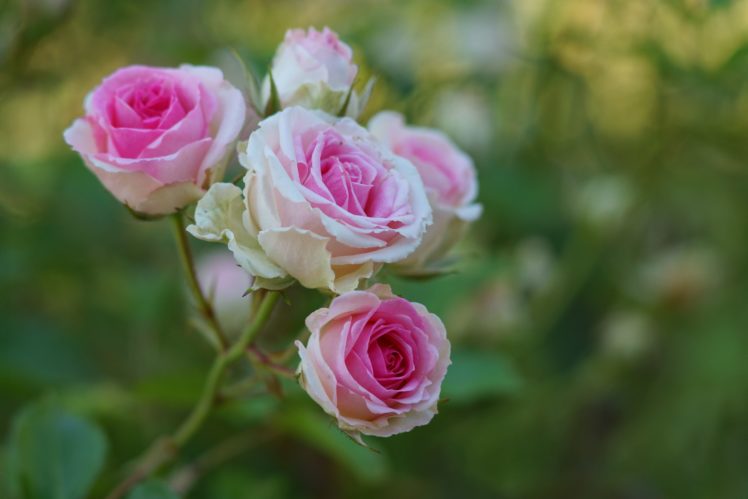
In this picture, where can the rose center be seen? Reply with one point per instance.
(340, 172)
(393, 360)
(151, 100)
(395, 363)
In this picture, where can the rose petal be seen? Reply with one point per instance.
(301, 253)
(220, 216)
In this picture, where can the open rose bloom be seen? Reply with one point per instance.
(158, 137)
(448, 174)
(375, 362)
(314, 69)
(324, 203)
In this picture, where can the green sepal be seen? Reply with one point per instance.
(145, 217)
(273, 104)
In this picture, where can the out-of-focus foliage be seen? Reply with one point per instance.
(599, 315)
(53, 454)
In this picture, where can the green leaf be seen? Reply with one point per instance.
(312, 426)
(54, 454)
(475, 375)
(152, 489)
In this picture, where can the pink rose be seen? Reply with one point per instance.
(449, 177)
(225, 284)
(157, 137)
(324, 203)
(375, 362)
(312, 69)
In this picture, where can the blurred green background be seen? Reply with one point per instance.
(599, 319)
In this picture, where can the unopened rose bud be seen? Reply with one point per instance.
(312, 69)
(225, 284)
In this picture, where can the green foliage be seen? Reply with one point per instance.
(152, 489)
(53, 454)
(475, 375)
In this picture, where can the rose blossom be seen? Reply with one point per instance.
(375, 362)
(312, 69)
(324, 203)
(157, 137)
(449, 177)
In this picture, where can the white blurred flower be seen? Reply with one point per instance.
(534, 263)
(466, 115)
(627, 335)
(225, 283)
(678, 277)
(485, 39)
(494, 311)
(603, 201)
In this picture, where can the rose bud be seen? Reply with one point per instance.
(375, 362)
(324, 203)
(158, 137)
(450, 180)
(225, 284)
(312, 69)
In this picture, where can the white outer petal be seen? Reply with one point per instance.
(220, 216)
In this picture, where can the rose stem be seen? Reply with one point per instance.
(164, 449)
(185, 255)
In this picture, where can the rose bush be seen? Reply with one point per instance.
(313, 69)
(448, 174)
(375, 362)
(324, 203)
(158, 137)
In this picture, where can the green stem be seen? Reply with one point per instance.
(218, 369)
(203, 305)
(164, 449)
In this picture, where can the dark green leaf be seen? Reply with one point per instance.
(54, 454)
(152, 489)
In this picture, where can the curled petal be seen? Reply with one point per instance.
(221, 216)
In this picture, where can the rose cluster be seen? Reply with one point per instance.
(325, 202)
